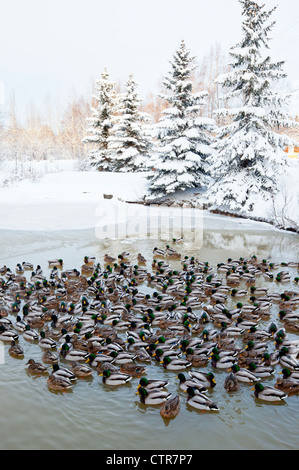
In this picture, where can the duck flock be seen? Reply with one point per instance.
(173, 312)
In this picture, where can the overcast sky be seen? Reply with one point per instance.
(50, 48)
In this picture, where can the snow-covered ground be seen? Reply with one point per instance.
(59, 196)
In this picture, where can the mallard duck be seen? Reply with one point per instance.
(210, 335)
(97, 359)
(15, 350)
(225, 362)
(59, 383)
(190, 343)
(8, 335)
(231, 383)
(150, 384)
(207, 379)
(175, 363)
(50, 357)
(153, 396)
(198, 357)
(290, 374)
(160, 353)
(46, 342)
(27, 266)
(73, 355)
(115, 378)
(19, 269)
(55, 262)
(171, 407)
(244, 375)
(109, 259)
(185, 383)
(36, 367)
(267, 393)
(29, 334)
(171, 253)
(122, 357)
(258, 347)
(20, 325)
(261, 371)
(63, 372)
(287, 360)
(288, 385)
(141, 259)
(158, 252)
(200, 401)
(132, 369)
(89, 259)
(81, 370)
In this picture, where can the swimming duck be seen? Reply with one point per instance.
(288, 373)
(288, 385)
(123, 357)
(29, 334)
(132, 369)
(36, 367)
(207, 379)
(109, 259)
(15, 350)
(225, 362)
(115, 378)
(267, 393)
(46, 342)
(73, 355)
(141, 259)
(63, 372)
(261, 371)
(55, 262)
(244, 375)
(50, 357)
(158, 252)
(26, 265)
(89, 259)
(200, 401)
(59, 383)
(175, 363)
(231, 383)
(8, 335)
(171, 407)
(150, 384)
(287, 360)
(81, 370)
(153, 396)
(185, 383)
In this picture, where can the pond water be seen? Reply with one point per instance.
(95, 416)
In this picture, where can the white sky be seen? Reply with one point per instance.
(49, 48)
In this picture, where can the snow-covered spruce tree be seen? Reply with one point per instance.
(183, 137)
(249, 153)
(100, 124)
(131, 141)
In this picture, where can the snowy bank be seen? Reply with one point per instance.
(63, 198)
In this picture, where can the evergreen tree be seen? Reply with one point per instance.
(183, 137)
(249, 153)
(130, 142)
(100, 124)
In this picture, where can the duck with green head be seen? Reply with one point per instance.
(269, 394)
(115, 378)
(153, 396)
(200, 401)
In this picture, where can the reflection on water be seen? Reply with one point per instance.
(93, 416)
